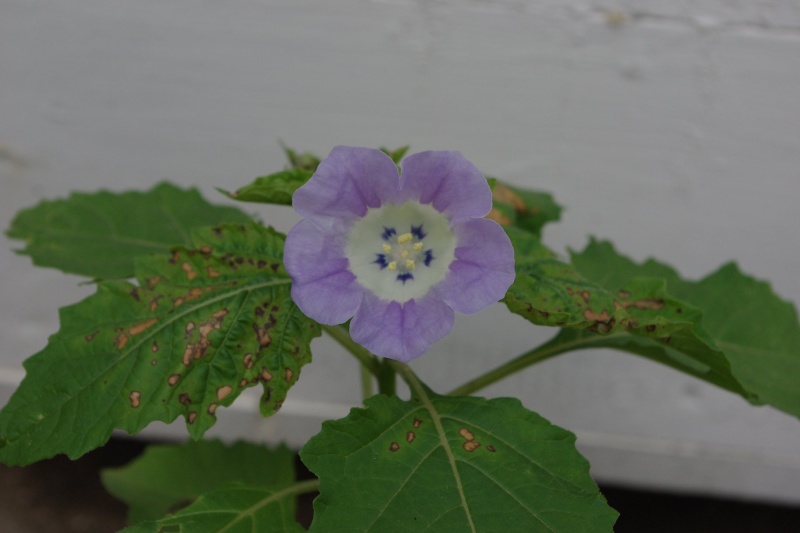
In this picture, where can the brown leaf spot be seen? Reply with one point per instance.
(154, 362)
(288, 375)
(176, 255)
(188, 329)
(187, 355)
(154, 303)
(142, 326)
(666, 339)
(585, 295)
(624, 294)
(603, 316)
(135, 397)
(212, 272)
(190, 272)
(263, 337)
(410, 436)
(212, 409)
(135, 294)
(223, 391)
(417, 423)
(152, 282)
(121, 340)
(471, 446)
(498, 216)
(91, 336)
(491, 448)
(154, 347)
(265, 375)
(184, 398)
(505, 194)
(192, 417)
(247, 361)
(261, 264)
(393, 447)
(206, 250)
(650, 328)
(173, 379)
(177, 302)
(466, 434)
(243, 383)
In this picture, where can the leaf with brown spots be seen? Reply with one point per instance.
(522, 208)
(97, 373)
(99, 235)
(638, 316)
(468, 459)
(751, 333)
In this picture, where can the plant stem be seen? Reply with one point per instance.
(366, 382)
(367, 360)
(387, 382)
(541, 353)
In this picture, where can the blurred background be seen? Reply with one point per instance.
(672, 128)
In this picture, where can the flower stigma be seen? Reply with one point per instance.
(396, 264)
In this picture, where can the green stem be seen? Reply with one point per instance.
(387, 382)
(366, 382)
(541, 353)
(367, 360)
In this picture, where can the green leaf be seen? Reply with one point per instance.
(397, 154)
(304, 160)
(276, 188)
(521, 208)
(639, 316)
(166, 477)
(201, 325)
(235, 508)
(758, 333)
(451, 464)
(99, 235)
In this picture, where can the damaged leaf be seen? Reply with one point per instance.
(200, 325)
(99, 235)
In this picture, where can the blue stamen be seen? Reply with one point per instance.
(381, 260)
(428, 257)
(387, 233)
(405, 276)
(417, 232)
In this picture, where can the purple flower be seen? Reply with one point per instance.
(399, 253)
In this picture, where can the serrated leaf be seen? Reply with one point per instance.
(200, 326)
(757, 332)
(522, 208)
(169, 476)
(451, 464)
(99, 235)
(235, 508)
(639, 316)
(276, 188)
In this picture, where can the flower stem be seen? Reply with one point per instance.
(541, 353)
(366, 382)
(387, 382)
(367, 360)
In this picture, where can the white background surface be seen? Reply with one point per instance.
(672, 128)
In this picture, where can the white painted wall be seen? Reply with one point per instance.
(671, 127)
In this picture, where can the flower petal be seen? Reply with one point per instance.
(322, 286)
(400, 331)
(347, 182)
(483, 269)
(448, 181)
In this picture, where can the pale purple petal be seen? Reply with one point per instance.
(483, 269)
(347, 182)
(401, 331)
(448, 181)
(322, 286)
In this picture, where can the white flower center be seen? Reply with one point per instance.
(399, 252)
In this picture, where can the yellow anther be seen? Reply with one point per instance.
(387, 249)
(404, 238)
(404, 254)
(410, 264)
(418, 246)
(392, 265)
